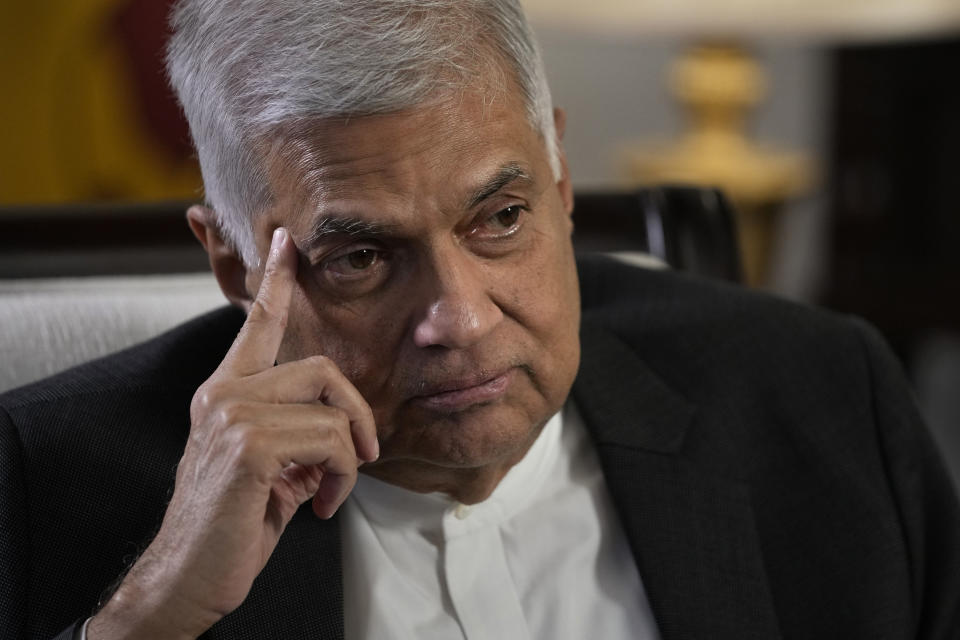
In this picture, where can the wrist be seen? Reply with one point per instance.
(143, 609)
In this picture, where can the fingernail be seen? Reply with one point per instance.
(279, 235)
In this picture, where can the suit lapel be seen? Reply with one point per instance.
(299, 594)
(692, 533)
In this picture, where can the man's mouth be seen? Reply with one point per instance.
(457, 395)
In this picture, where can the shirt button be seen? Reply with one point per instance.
(462, 511)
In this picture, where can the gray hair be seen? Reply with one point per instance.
(244, 69)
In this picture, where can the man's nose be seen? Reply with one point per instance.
(459, 310)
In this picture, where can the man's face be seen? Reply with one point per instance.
(437, 271)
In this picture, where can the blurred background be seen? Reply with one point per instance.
(833, 126)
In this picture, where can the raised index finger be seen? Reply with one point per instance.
(256, 346)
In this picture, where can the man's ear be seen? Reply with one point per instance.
(227, 266)
(564, 184)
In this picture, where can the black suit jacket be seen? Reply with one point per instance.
(767, 463)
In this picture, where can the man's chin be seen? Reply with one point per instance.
(429, 448)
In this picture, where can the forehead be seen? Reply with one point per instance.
(434, 154)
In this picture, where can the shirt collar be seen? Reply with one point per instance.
(391, 506)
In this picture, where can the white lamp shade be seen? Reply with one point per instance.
(818, 20)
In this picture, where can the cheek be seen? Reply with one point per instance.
(559, 339)
(361, 342)
(542, 294)
(549, 288)
(559, 296)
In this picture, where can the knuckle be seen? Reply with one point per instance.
(230, 413)
(263, 311)
(205, 398)
(322, 364)
(336, 419)
(245, 441)
(335, 443)
(340, 437)
(202, 400)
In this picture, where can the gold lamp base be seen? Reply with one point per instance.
(718, 84)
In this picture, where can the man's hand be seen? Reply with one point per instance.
(264, 439)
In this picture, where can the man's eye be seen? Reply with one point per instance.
(361, 259)
(506, 218)
(354, 271)
(355, 262)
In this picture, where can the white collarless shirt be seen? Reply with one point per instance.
(543, 557)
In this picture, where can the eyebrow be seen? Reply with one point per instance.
(508, 173)
(340, 225)
(336, 225)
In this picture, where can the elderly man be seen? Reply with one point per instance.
(390, 208)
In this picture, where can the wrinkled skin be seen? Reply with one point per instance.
(451, 293)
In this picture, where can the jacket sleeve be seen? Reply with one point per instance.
(923, 493)
(14, 540)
